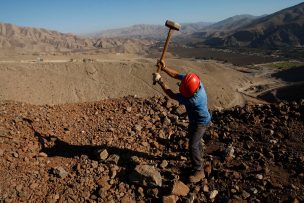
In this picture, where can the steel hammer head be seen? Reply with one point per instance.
(173, 25)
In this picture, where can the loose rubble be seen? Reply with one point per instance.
(136, 150)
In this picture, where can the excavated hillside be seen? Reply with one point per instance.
(135, 150)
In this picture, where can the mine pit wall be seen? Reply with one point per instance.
(57, 83)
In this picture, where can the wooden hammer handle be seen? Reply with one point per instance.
(164, 52)
(165, 49)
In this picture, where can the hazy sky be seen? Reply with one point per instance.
(83, 16)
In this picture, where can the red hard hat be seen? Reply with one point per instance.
(189, 85)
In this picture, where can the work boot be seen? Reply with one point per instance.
(197, 176)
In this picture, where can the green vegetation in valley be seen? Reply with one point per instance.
(286, 64)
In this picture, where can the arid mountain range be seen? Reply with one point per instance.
(12, 36)
(39, 39)
(157, 32)
(284, 28)
(281, 29)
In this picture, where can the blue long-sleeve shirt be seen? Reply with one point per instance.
(196, 106)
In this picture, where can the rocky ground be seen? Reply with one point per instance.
(135, 150)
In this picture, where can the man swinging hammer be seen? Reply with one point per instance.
(192, 94)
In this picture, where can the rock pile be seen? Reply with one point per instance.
(136, 150)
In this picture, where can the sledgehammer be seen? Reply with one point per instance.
(172, 26)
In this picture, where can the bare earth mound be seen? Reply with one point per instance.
(133, 149)
(57, 82)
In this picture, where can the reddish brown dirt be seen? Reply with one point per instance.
(265, 143)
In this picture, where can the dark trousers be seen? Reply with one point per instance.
(196, 132)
